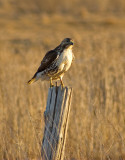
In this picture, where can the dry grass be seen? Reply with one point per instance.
(97, 121)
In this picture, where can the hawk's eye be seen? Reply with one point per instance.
(68, 40)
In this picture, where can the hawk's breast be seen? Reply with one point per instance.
(65, 59)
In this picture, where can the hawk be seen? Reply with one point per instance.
(55, 63)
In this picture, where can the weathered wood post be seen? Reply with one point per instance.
(56, 123)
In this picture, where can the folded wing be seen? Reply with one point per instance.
(49, 58)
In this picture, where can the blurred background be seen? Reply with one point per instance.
(28, 29)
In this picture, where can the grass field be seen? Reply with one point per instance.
(97, 120)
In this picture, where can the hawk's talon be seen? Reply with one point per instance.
(62, 85)
(51, 84)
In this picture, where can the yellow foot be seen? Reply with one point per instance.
(51, 84)
(62, 85)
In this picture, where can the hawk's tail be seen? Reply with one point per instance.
(31, 80)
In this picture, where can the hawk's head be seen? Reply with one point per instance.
(67, 42)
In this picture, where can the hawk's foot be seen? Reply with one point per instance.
(51, 83)
(62, 84)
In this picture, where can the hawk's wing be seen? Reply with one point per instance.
(50, 57)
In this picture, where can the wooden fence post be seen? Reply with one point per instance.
(56, 123)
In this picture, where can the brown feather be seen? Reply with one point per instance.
(50, 57)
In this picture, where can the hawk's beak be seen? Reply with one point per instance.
(71, 42)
